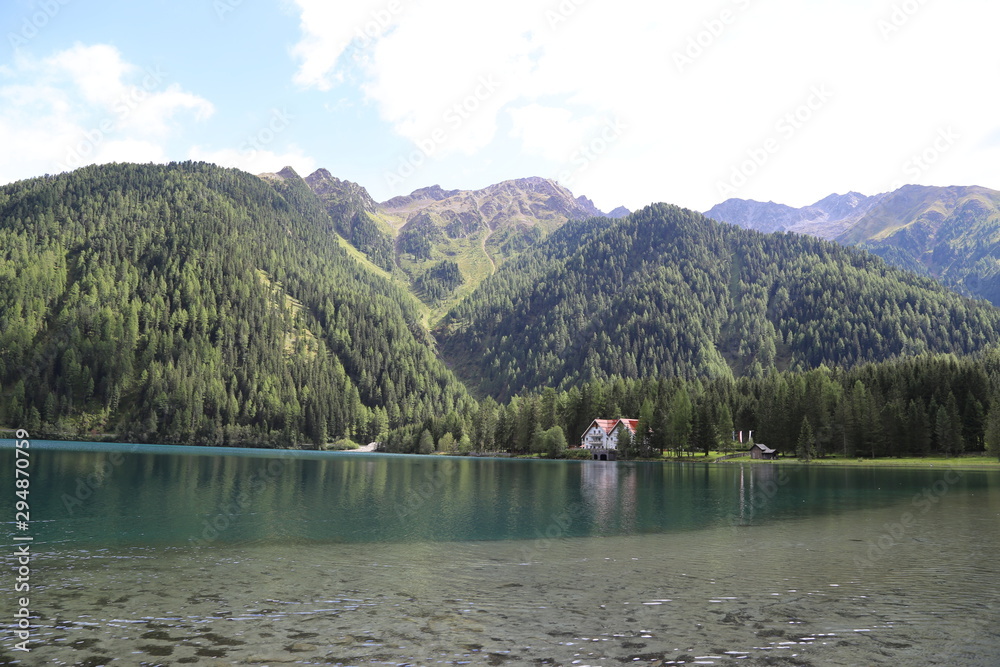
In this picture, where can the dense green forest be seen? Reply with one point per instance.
(667, 292)
(931, 404)
(189, 303)
(439, 281)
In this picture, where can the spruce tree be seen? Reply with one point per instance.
(644, 435)
(992, 434)
(426, 445)
(806, 446)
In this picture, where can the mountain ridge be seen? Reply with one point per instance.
(827, 218)
(669, 292)
(443, 243)
(949, 233)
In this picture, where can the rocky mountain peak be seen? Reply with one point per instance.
(333, 191)
(288, 173)
(423, 195)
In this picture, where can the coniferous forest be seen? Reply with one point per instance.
(918, 406)
(193, 304)
(186, 303)
(668, 292)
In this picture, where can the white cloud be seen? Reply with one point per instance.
(550, 132)
(257, 161)
(87, 105)
(154, 112)
(330, 28)
(701, 86)
(97, 71)
(132, 150)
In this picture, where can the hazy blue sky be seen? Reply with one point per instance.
(626, 102)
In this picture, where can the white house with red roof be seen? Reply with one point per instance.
(603, 433)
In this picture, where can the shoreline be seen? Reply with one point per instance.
(973, 462)
(966, 462)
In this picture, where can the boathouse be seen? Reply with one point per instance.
(760, 451)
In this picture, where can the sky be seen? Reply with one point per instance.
(622, 101)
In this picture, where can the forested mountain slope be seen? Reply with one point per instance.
(356, 216)
(190, 303)
(668, 292)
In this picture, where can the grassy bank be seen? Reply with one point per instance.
(977, 462)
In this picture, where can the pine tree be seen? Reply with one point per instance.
(704, 435)
(806, 446)
(944, 430)
(644, 435)
(426, 445)
(626, 449)
(955, 421)
(446, 443)
(724, 429)
(992, 435)
(680, 421)
(918, 429)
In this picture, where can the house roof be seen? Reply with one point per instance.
(763, 448)
(609, 425)
(632, 424)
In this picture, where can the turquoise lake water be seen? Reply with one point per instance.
(147, 555)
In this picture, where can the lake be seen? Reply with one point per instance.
(147, 555)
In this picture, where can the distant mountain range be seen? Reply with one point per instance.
(949, 233)
(827, 218)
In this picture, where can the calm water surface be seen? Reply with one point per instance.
(169, 556)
